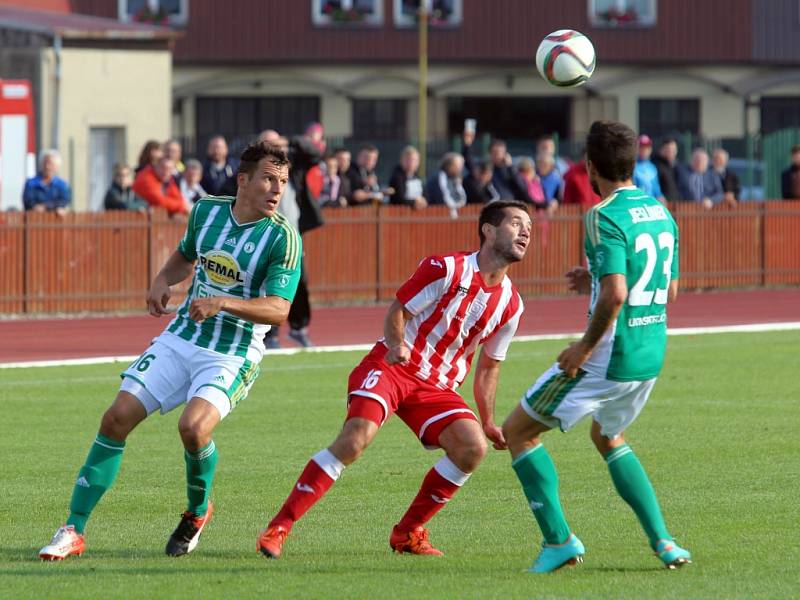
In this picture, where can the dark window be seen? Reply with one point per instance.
(511, 117)
(659, 118)
(379, 119)
(779, 113)
(240, 120)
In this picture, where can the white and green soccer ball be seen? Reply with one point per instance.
(566, 58)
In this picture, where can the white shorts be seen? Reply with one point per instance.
(558, 401)
(172, 371)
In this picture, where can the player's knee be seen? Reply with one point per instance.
(193, 435)
(469, 455)
(115, 425)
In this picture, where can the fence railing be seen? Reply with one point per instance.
(104, 262)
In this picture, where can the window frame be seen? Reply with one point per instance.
(181, 19)
(698, 100)
(646, 21)
(319, 19)
(402, 21)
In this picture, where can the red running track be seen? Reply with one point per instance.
(52, 339)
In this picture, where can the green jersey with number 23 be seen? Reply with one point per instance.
(632, 234)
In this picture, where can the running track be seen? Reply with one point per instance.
(54, 339)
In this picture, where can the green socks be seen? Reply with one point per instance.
(200, 468)
(94, 478)
(537, 474)
(635, 488)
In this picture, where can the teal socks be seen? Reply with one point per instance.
(95, 477)
(635, 488)
(200, 467)
(537, 474)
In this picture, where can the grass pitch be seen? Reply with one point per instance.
(719, 439)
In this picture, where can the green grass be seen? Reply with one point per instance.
(719, 439)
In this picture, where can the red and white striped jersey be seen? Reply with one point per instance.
(455, 311)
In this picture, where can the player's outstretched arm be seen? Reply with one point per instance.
(673, 291)
(394, 326)
(176, 269)
(613, 293)
(484, 388)
(268, 310)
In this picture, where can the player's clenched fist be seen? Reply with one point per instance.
(204, 308)
(399, 354)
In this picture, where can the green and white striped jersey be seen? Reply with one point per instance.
(253, 260)
(632, 234)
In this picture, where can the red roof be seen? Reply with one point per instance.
(75, 26)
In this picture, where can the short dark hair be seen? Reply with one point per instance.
(341, 149)
(494, 213)
(612, 148)
(668, 140)
(497, 142)
(368, 148)
(257, 151)
(795, 148)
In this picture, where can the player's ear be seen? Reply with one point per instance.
(488, 230)
(242, 179)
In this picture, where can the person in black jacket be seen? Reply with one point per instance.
(120, 195)
(219, 170)
(790, 178)
(302, 210)
(505, 179)
(731, 186)
(405, 183)
(478, 184)
(668, 169)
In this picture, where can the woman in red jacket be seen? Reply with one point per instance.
(157, 186)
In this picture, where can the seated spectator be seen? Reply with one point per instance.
(577, 186)
(731, 187)
(342, 156)
(47, 191)
(363, 180)
(549, 177)
(219, 170)
(172, 149)
(157, 186)
(120, 196)
(478, 184)
(151, 152)
(445, 186)
(331, 194)
(645, 173)
(190, 187)
(790, 178)
(528, 173)
(405, 181)
(669, 170)
(698, 183)
(547, 145)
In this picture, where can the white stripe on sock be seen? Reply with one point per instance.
(448, 469)
(329, 463)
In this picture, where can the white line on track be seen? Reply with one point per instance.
(97, 360)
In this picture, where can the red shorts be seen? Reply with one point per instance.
(377, 389)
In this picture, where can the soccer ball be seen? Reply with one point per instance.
(565, 58)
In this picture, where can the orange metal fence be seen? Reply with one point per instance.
(104, 261)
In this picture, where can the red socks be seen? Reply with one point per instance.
(316, 479)
(439, 485)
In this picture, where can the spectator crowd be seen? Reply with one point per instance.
(337, 178)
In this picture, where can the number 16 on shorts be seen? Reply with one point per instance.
(371, 380)
(142, 363)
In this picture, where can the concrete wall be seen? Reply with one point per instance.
(106, 88)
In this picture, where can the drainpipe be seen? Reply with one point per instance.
(56, 142)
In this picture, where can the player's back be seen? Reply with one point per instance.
(631, 233)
